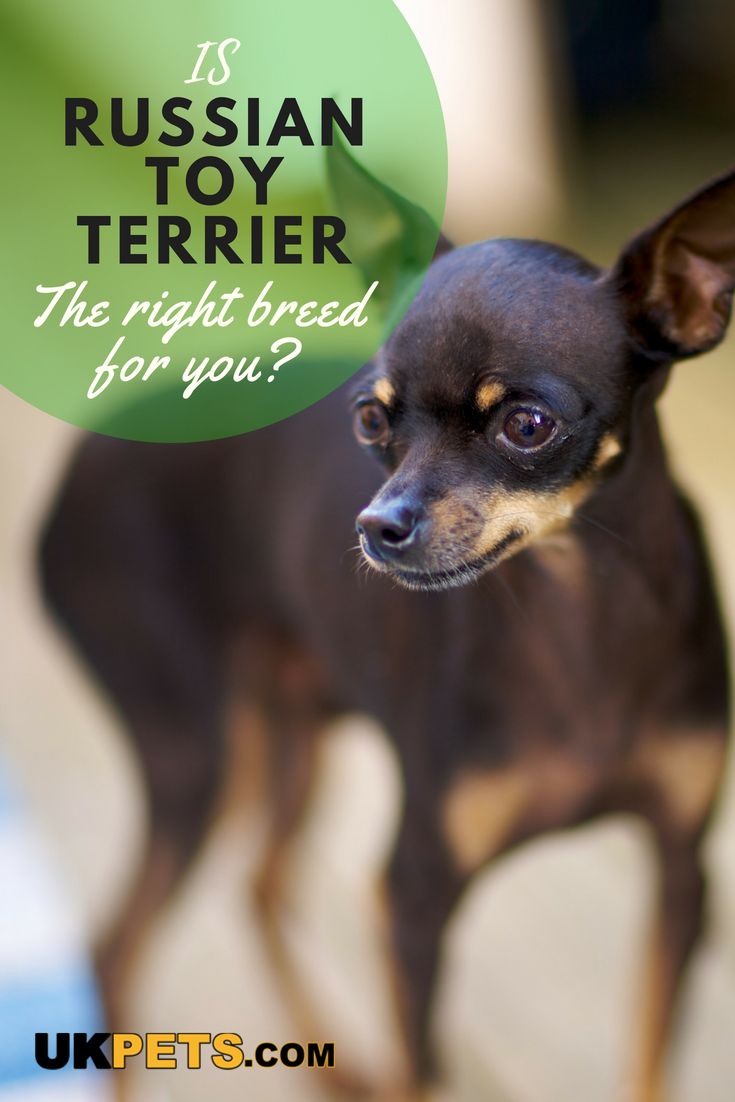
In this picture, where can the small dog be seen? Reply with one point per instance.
(583, 671)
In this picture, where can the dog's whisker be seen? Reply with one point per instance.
(608, 531)
(563, 516)
(349, 551)
(505, 584)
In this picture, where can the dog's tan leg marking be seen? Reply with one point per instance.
(479, 814)
(662, 973)
(384, 392)
(489, 394)
(684, 770)
(652, 1023)
(484, 810)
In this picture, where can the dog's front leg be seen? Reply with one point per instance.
(423, 887)
(678, 926)
(684, 777)
(448, 833)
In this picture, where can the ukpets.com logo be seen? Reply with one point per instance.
(226, 1051)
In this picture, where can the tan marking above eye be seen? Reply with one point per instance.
(384, 392)
(610, 447)
(489, 394)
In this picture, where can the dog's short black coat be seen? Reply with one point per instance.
(583, 671)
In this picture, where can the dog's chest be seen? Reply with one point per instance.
(540, 656)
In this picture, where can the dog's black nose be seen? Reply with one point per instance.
(389, 530)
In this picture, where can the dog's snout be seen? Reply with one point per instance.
(389, 529)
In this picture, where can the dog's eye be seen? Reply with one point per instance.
(528, 428)
(371, 424)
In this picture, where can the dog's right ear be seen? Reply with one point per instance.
(390, 238)
(677, 278)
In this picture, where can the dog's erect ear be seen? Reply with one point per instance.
(390, 238)
(677, 278)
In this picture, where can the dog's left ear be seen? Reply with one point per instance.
(389, 238)
(677, 278)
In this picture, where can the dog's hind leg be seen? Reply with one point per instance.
(292, 755)
(685, 773)
(181, 753)
(295, 712)
(117, 588)
(289, 698)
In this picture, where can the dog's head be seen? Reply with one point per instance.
(504, 398)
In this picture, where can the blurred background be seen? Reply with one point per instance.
(575, 120)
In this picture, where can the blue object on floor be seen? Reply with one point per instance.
(46, 979)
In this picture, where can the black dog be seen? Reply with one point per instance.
(584, 671)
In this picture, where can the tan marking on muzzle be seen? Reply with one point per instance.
(469, 526)
(534, 515)
(456, 511)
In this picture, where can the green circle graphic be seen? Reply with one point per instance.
(204, 239)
